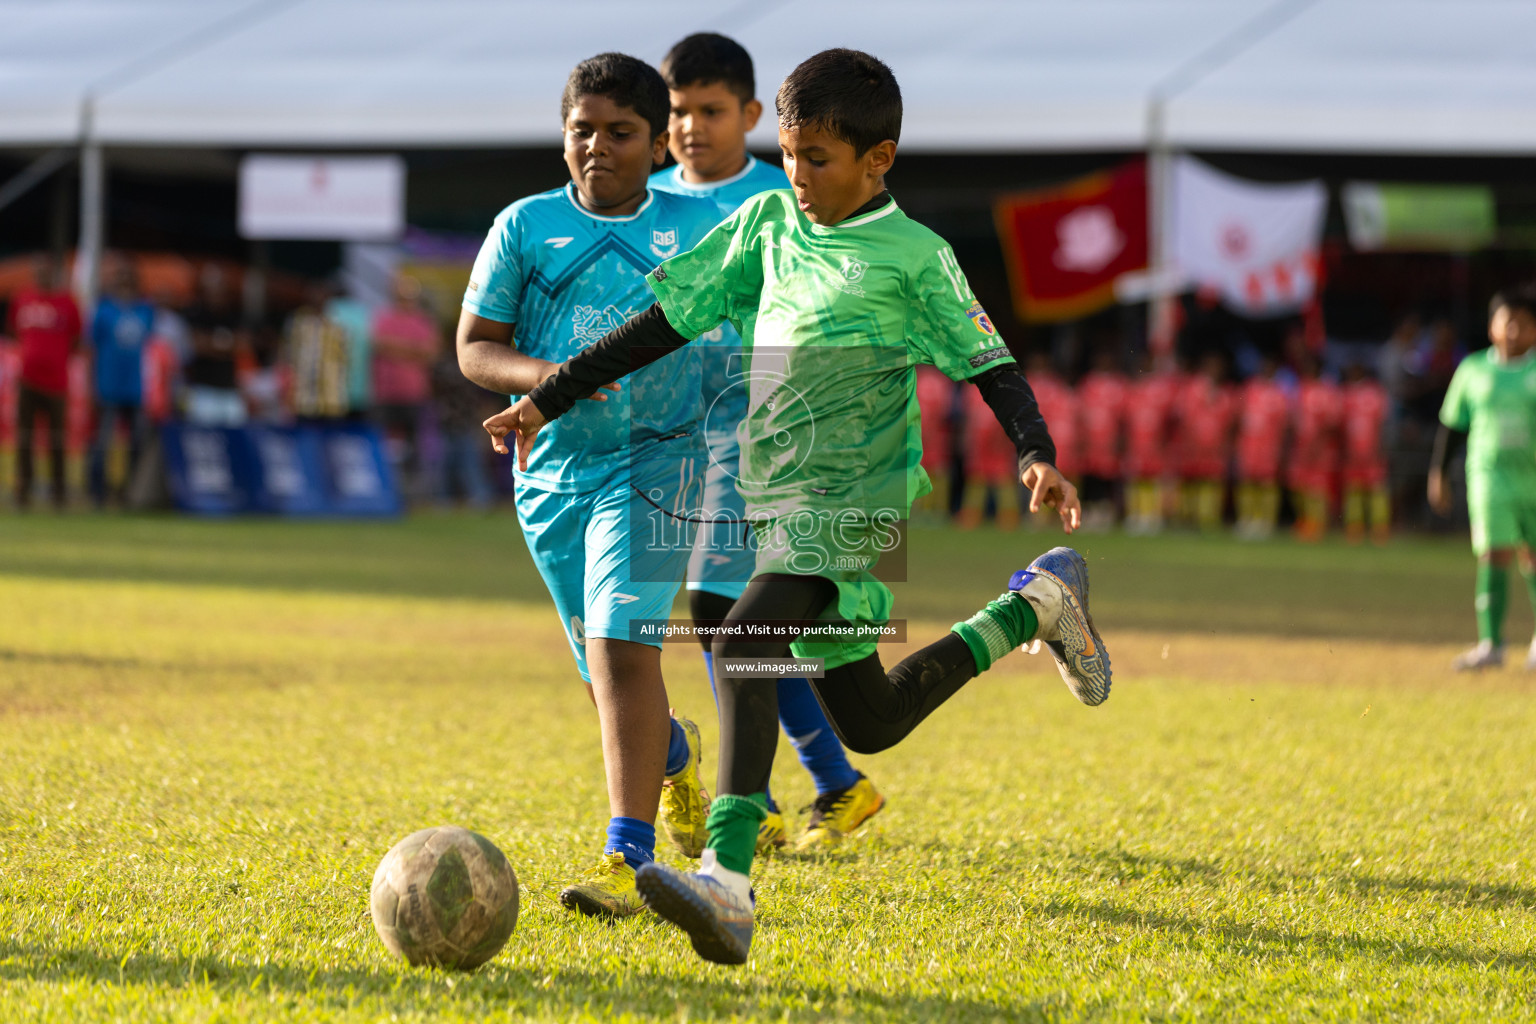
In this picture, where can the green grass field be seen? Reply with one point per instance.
(1289, 809)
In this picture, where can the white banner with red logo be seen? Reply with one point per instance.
(1255, 244)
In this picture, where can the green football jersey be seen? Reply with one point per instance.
(1494, 402)
(833, 321)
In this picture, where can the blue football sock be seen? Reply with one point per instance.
(634, 838)
(808, 729)
(677, 750)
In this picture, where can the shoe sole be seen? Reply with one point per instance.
(691, 913)
(572, 899)
(1079, 636)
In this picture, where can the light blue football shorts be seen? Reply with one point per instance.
(725, 553)
(611, 558)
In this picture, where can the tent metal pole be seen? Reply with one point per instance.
(92, 211)
(1159, 176)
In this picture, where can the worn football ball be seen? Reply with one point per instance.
(444, 897)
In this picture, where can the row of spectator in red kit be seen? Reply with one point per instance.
(1169, 424)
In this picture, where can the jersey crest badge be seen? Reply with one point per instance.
(664, 243)
(981, 320)
(851, 272)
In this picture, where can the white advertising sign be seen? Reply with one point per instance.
(328, 198)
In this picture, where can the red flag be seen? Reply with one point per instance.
(1066, 245)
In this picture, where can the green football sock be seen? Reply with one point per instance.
(1530, 584)
(997, 629)
(1492, 597)
(733, 822)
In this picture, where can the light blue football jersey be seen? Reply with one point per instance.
(724, 406)
(565, 277)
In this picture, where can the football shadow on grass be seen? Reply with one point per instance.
(706, 992)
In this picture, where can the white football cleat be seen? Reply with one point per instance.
(1486, 654)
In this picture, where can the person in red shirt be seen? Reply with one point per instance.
(1318, 414)
(1206, 408)
(936, 402)
(1148, 408)
(1101, 398)
(1265, 411)
(45, 321)
(1365, 461)
(1059, 405)
(406, 342)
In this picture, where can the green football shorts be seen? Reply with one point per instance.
(1502, 517)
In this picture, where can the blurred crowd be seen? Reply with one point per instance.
(1230, 436)
(1241, 439)
(87, 395)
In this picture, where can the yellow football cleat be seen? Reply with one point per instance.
(684, 801)
(836, 814)
(770, 834)
(607, 891)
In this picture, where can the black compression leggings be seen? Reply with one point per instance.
(869, 710)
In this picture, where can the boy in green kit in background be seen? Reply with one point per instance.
(1491, 408)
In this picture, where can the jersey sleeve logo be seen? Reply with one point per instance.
(981, 320)
(664, 243)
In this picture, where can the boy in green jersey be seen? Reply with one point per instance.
(837, 296)
(1491, 407)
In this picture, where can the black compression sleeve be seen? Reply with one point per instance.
(1012, 401)
(640, 340)
(1447, 443)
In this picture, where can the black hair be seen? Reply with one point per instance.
(628, 81)
(846, 93)
(706, 57)
(1517, 299)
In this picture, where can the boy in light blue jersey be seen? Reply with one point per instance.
(557, 271)
(712, 86)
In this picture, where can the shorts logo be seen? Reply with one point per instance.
(578, 631)
(664, 243)
(981, 320)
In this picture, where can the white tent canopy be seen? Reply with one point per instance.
(1413, 76)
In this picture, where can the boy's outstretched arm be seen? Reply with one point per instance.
(1012, 400)
(637, 342)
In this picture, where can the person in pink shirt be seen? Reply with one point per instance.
(1365, 461)
(1261, 427)
(1205, 408)
(1101, 398)
(406, 340)
(1314, 452)
(1059, 405)
(1149, 409)
(45, 322)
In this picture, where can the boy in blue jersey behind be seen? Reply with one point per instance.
(712, 86)
(557, 271)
